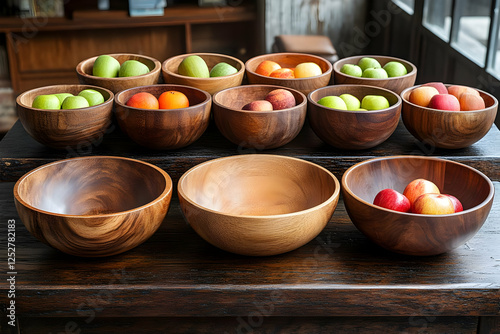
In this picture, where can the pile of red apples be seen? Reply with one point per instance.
(436, 95)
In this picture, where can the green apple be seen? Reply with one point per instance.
(222, 69)
(351, 101)
(375, 73)
(62, 96)
(132, 68)
(395, 69)
(374, 102)
(49, 101)
(368, 62)
(360, 109)
(92, 96)
(75, 102)
(193, 66)
(106, 67)
(351, 69)
(333, 102)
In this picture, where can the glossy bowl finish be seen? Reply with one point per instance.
(93, 206)
(290, 60)
(258, 204)
(84, 73)
(210, 85)
(396, 84)
(350, 129)
(448, 129)
(162, 128)
(69, 128)
(409, 233)
(257, 129)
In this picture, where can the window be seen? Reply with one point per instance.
(407, 5)
(437, 17)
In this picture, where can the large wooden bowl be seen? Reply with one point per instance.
(164, 128)
(93, 206)
(210, 85)
(69, 128)
(351, 129)
(257, 129)
(396, 84)
(258, 204)
(448, 129)
(409, 233)
(290, 60)
(84, 73)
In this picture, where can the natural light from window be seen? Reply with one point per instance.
(437, 17)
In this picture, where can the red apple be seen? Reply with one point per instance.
(456, 203)
(392, 200)
(283, 73)
(458, 90)
(445, 102)
(433, 204)
(470, 101)
(281, 99)
(258, 105)
(421, 96)
(441, 88)
(419, 187)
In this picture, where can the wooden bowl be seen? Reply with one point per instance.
(211, 85)
(257, 129)
(409, 233)
(396, 84)
(350, 129)
(164, 128)
(448, 129)
(93, 206)
(258, 204)
(290, 60)
(68, 128)
(84, 73)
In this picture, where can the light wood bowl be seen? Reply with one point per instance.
(349, 129)
(290, 60)
(258, 204)
(257, 129)
(448, 129)
(210, 85)
(396, 84)
(161, 128)
(93, 206)
(409, 233)
(69, 128)
(84, 73)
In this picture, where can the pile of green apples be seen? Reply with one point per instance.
(368, 67)
(351, 102)
(196, 67)
(86, 98)
(106, 66)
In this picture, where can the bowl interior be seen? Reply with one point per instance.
(235, 98)
(194, 95)
(171, 65)
(257, 185)
(92, 186)
(359, 91)
(86, 66)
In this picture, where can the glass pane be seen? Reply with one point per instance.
(407, 5)
(495, 50)
(437, 17)
(470, 36)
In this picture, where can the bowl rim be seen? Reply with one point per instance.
(271, 112)
(346, 188)
(343, 61)
(165, 193)
(240, 72)
(335, 195)
(208, 98)
(396, 105)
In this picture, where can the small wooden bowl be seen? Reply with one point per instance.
(396, 84)
(409, 233)
(211, 85)
(84, 73)
(258, 204)
(257, 129)
(448, 129)
(161, 128)
(350, 129)
(93, 206)
(290, 60)
(68, 128)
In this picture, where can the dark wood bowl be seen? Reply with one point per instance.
(409, 233)
(210, 85)
(84, 73)
(350, 129)
(257, 129)
(258, 204)
(448, 129)
(68, 128)
(290, 60)
(396, 84)
(161, 128)
(93, 206)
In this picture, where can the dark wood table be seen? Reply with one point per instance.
(177, 283)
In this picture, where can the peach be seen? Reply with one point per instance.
(439, 86)
(422, 95)
(283, 73)
(266, 67)
(258, 105)
(281, 99)
(470, 101)
(458, 90)
(433, 204)
(444, 102)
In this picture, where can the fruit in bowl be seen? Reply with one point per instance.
(272, 69)
(350, 102)
(106, 66)
(85, 98)
(194, 66)
(276, 99)
(454, 98)
(369, 67)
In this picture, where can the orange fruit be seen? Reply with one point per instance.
(266, 67)
(173, 99)
(143, 100)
